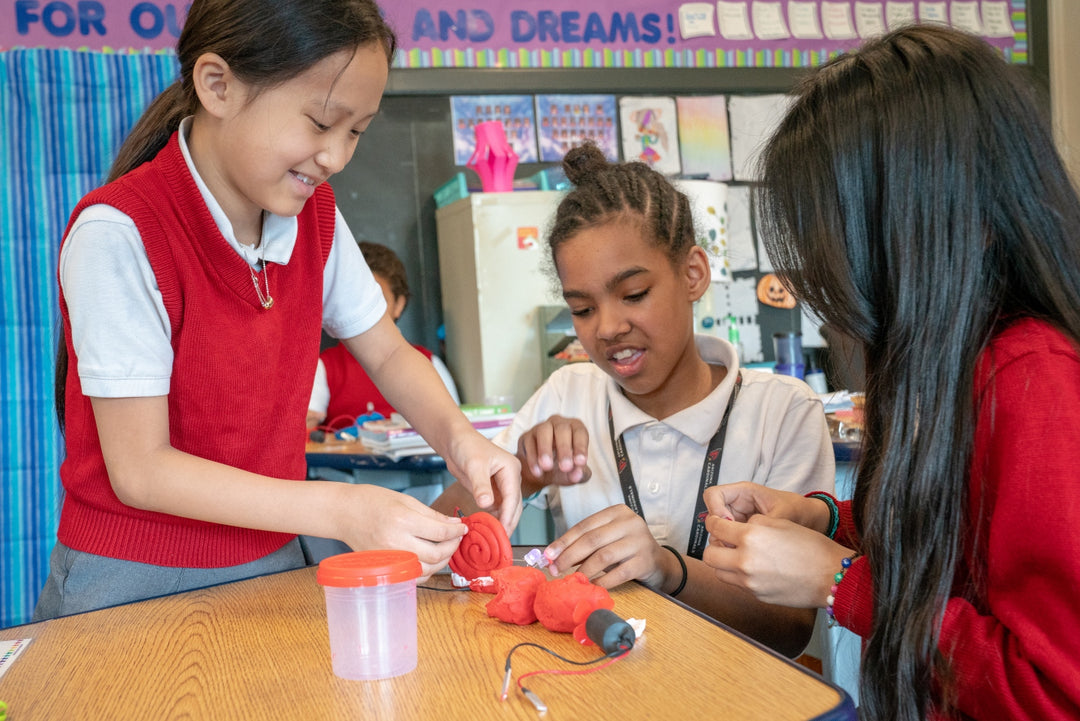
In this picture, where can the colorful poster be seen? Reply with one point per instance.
(559, 33)
(703, 137)
(515, 112)
(564, 121)
(650, 132)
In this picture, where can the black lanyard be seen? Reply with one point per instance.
(710, 474)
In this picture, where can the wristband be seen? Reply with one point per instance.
(682, 564)
(834, 511)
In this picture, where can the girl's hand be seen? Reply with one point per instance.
(740, 501)
(611, 547)
(475, 462)
(778, 561)
(373, 517)
(555, 451)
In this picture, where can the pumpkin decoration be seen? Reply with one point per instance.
(770, 291)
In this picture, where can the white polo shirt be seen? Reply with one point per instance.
(776, 436)
(119, 325)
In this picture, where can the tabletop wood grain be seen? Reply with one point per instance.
(258, 649)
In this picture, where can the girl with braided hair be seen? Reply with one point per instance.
(621, 449)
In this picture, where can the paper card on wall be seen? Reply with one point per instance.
(704, 141)
(803, 19)
(515, 112)
(708, 203)
(566, 121)
(995, 19)
(965, 16)
(933, 12)
(764, 264)
(741, 255)
(739, 298)
(899, 14)
(734, 20)
(753, 119)
(650, 132)
(836, 20)
(869, 19)
(697, 20)
(768, 19)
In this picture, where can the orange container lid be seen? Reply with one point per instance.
(368, 568)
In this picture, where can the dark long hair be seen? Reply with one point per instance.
(913, 198)
(265, 43)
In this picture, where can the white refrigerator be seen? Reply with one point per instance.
(493, 269)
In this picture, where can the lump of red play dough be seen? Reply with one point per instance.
(558, 599)
(485, 548)
(515, 593)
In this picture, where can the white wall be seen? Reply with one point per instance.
(1064, 19)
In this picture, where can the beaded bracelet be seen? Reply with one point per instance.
(831, 598)
(834, 511)
(682, 564)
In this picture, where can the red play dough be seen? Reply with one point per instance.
(557, 600)
(485, 548)
(581, 615)
(516, 590)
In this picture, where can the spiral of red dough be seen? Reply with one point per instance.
(484, 548)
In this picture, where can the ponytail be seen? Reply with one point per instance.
(153, 130)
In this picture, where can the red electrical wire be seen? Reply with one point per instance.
(571, 672)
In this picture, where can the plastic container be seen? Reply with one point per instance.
(371, 612)
(815, 375)
(789, 355)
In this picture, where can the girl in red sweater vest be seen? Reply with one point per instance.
(913, 198)
(194, 286)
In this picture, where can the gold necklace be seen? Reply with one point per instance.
(266, 300)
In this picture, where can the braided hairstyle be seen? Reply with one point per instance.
(606, 192)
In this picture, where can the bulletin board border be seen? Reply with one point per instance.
(677, 80)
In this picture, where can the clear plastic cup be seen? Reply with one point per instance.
(371, 612)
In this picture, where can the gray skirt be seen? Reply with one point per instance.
(80, 581)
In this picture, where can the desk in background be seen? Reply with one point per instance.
(259, 649)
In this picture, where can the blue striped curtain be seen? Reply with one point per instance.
(64, 114)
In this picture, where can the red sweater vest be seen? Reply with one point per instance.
(241, 375)
(351, 389)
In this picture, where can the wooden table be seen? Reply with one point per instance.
(258, 649)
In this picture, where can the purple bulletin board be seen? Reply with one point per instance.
(560, 33)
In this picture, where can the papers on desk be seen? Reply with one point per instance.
(837, 401)
(9, 651)
(395, 438)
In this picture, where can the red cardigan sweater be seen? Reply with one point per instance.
(1012, 638)
(351, 388)
(240, 378)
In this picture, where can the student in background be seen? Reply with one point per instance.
(343, 390)
(912, 197)
(676, 406)
(193, 288)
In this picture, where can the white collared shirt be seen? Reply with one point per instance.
(119, 325)
(776, 436)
